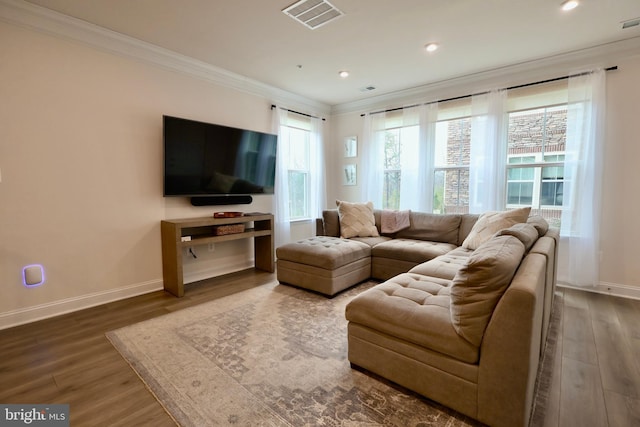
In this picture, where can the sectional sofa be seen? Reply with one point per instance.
(463, 312)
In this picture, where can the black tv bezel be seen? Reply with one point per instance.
(213, 195)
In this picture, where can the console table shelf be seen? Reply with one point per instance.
(200, 230)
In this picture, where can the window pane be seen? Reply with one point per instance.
(551, 193)
(521, 174)
(391, 190)
(453, 142)
(298, 149)
(520, 193)
(451, 191)
(392, 149)
(297, 195)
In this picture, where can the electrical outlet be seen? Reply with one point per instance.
(211, 247)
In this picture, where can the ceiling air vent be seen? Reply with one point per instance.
(313, 13)
(631, 23)
(367, 88)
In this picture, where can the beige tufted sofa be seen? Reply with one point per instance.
(462, 326)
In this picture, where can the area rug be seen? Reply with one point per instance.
(269, 356)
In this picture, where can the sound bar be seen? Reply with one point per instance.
(221, 200)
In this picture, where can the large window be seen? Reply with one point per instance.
(297, 139)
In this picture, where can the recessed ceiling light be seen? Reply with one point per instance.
(569, 5)
(343, 74)
(431, 47)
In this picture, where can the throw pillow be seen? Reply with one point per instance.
(480, 283)
(490, 223)
(356, 220)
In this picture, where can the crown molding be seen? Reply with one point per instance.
(41, 19)
(540, 69)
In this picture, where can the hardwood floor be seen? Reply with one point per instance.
(596, 375)
(67, 359)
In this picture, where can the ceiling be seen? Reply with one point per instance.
(380, 42)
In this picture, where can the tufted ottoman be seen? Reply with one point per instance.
(324, 264)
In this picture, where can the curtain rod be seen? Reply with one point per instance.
(615, 67)
(297, 112)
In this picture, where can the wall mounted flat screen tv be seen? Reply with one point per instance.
(206, 159)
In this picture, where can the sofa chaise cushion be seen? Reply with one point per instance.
(480, 283)
(324, 252)
(413, 308)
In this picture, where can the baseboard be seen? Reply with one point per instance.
(68, 305)
(613, 289)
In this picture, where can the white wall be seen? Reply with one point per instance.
(81, 165)
(620, 269)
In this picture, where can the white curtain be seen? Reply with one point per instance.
(427, 154)
(317, 187)
(582, 198)
(281, 198)
(487, 167)
(417, 135)
(372, 176)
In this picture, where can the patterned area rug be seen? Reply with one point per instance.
(270, 356)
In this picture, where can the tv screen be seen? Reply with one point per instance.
(202, 159)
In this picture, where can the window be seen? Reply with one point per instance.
(395, 144)
(535, 163)
(298, 170)
(452, 156)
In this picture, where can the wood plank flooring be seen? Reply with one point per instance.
(596, 375)
(67, 359)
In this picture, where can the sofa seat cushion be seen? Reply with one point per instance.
(410, 250)
(372, 241)
(445, 266)
(413, 308)
(324, 252)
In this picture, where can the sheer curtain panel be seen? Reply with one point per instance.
(317, 187)
(582, 199)
(373, 159)
(487, 167)
(280, 201)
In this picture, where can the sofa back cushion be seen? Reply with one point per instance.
(356, 219)
(490, 223)
(479, 284)
(467, 221)
(432, 227)
(541, 224)
(331, 222)
(524, 232)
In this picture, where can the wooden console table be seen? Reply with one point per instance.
(201, 231)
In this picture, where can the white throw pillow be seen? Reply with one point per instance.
(356, 220)
(490, 223)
